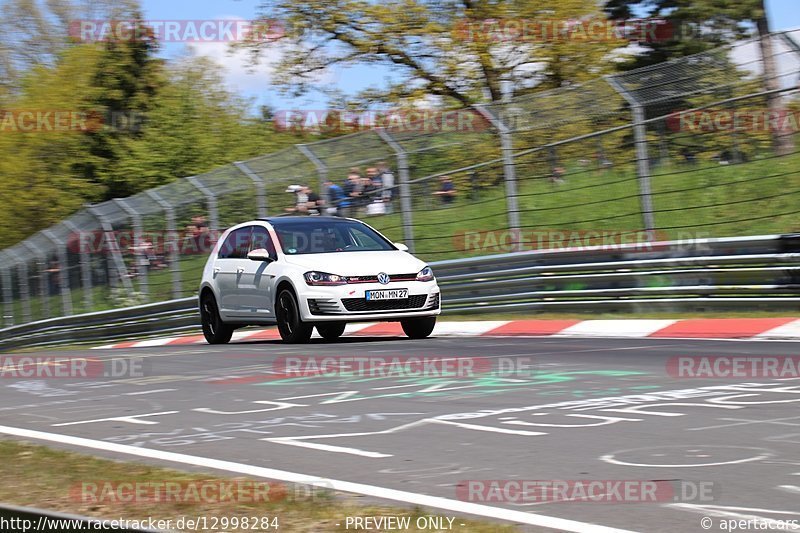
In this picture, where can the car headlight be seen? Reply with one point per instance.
(426, 274)
(323, 278)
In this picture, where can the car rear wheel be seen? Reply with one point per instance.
(291, 327)
(331, 330)
(418, 328)
(214, 329)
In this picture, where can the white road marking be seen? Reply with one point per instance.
(148, 392)
(155, 342)
(413, 498)
(330, 448)
(615, 328)
(132, 419)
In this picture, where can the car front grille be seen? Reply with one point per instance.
(361, 304)
(374, 279)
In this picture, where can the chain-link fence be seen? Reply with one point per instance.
(697, 147)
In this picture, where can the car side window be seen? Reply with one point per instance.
(364, 241)
(237, 244)
(261, 239)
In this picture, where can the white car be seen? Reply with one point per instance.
(302, 272)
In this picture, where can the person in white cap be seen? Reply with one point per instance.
(307, 201)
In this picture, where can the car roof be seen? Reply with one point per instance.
(280, 220)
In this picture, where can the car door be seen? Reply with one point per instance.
(255, 282)
(229, 267)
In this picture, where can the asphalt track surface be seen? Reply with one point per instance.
(737, 439)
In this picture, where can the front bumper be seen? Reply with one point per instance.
(348, 303)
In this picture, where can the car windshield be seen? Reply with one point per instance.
(325, 236)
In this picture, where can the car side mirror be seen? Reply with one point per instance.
(260, 254)
(400, 246)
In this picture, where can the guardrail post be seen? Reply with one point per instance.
(642, 157)
(142, 262)
(172, 247)
(322, 170)
(405, 187)
(509, 169)
(86, 265)
(112, 248)
(63, 271)
(45, 297)
(261, 189)
(213, 213)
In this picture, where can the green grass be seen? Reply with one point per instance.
(705, 200)
(41, 477)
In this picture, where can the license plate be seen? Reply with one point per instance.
(388, 294)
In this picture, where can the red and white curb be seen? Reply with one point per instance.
(699, 328)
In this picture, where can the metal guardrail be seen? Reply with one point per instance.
(741, 273)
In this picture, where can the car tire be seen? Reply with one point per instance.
(418, 328)
(214, 329)
(290, 325)
(331, 330)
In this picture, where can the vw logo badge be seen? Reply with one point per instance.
(383, 278)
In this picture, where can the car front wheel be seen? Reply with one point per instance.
(214, 329)
(331, 331)
(418, 328)
(291, 327)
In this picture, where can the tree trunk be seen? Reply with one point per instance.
(782, 142)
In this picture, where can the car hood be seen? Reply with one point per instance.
(359, 263)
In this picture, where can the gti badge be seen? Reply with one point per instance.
(383, 278)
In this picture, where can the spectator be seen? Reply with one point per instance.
(558, 175)
(387, 184)
(307, 202)
(447, 191)
(353, 189)
(371, 189)
(338, 203)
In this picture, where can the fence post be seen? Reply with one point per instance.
(112, 248)
(509, 169)
(43, 294)
(405, 187)
(86, 265)
(139, 254)
(24, 286)
(213, 213)
(642, 157)
(322, 170)
(8, 295)
(63, 271)
(261, 190)
(171, 242)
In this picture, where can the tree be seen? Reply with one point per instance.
(456, 52)
(699, 25)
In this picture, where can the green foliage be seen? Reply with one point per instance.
(146, 125)
(453, 52)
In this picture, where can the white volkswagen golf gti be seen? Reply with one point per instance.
(306, 272)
